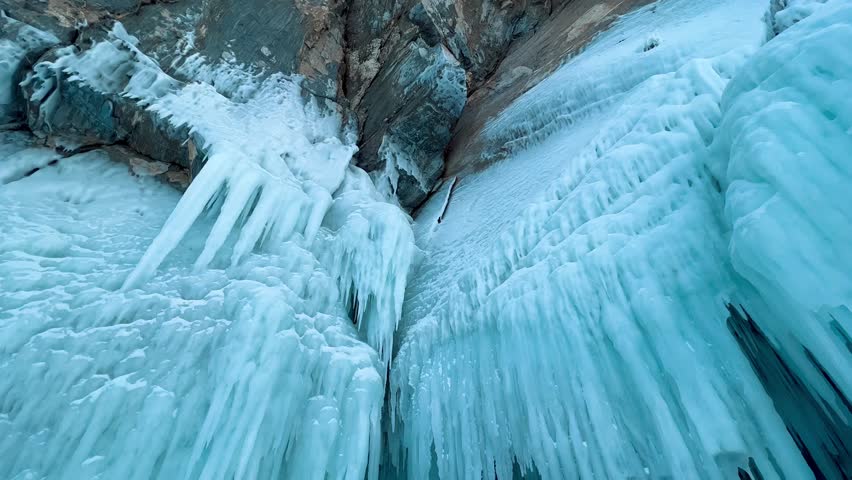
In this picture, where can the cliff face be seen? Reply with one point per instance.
(404, 72)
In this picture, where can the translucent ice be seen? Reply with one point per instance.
(586, 335)
(148, 335)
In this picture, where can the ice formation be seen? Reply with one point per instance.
(590, 340)
(200, 346)
(25, 41)
(675, 303)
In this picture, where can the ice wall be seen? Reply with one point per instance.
(588, 336)
(148, 335)
(783, 150)
(244, 372)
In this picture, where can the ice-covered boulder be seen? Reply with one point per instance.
(100, 95)
(20, 46)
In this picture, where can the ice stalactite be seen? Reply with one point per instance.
(367, 245)
(213, 341)
(592, 340)
(783, 149)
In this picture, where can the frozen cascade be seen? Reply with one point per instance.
(675, 304)
(783, 149)
(205, 357)
(591, 339)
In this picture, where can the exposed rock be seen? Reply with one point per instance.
(403, 69)
(20, 47)
(302, 37)
(479, 32)
(142, 166)
(165, 31)
(570, 27)
(407, 91)
(404, 139)
(456, 46)
(63, 18)
(62, 107)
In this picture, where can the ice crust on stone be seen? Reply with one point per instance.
(275, 164)
(584, 334)
(25, 41)
(208, 335)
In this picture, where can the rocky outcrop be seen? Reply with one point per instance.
(570, 26)
(410, 67)
(20, 46)
(419, 78)
(302, 37)
(65, 18)
(407, 90)
(77, 100)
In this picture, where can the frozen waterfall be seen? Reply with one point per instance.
(653, 283)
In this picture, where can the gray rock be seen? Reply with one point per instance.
(20, 46)
(480, 32)
(302, 37)
(411, 108)
(407, 91)
(74, 114)
(63, 18)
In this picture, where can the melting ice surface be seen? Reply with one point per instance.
(653, 285)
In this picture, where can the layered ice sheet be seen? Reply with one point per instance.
(586, 334)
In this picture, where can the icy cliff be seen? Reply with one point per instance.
(586, 335)
(640, 272)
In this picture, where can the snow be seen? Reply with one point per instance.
(568, 318)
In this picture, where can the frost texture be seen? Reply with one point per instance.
(587, 337)
(785, 13)
(226, 350)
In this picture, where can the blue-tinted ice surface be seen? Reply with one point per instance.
(654, 284)
(583, 332)
(147, 334)
(243, 372)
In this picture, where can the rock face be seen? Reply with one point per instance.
(407, 99)
(20, 46)
(74, 113)
(411, 65)
(529, 60)
(290, 36)
(419, 78)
